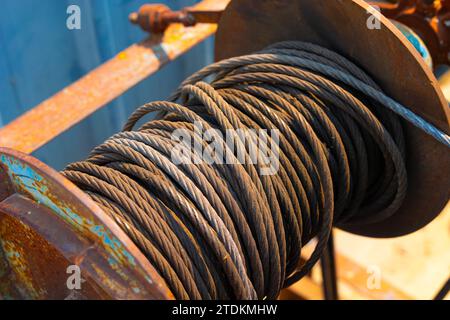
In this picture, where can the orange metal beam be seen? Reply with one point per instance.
(47, 120)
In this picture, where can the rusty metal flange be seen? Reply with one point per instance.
(342, 25)
(49, 228)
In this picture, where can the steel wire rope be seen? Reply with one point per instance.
(217, 230)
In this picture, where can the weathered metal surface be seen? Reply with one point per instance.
(387, 56)
(48, 224)
(429, 19)
(416, 41)
(156, 18)
(35, 268)
(77, 101)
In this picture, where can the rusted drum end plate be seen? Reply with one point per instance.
(341, 25)
(50, 231)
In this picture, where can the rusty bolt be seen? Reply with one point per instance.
(155, 18)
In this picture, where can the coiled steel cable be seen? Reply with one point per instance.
(221, 231)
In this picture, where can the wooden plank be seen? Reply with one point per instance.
(418, 263)
(415, 266)
(305, 289)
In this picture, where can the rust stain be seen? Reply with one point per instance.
(18, 241)
(122, 55)
(64, 228)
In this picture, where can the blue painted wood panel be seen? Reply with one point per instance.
(39, 56)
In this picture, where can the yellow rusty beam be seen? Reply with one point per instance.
(66, 108)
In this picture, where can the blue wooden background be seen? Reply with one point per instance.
(39, 56)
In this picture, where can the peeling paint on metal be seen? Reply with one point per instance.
(34, 184)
